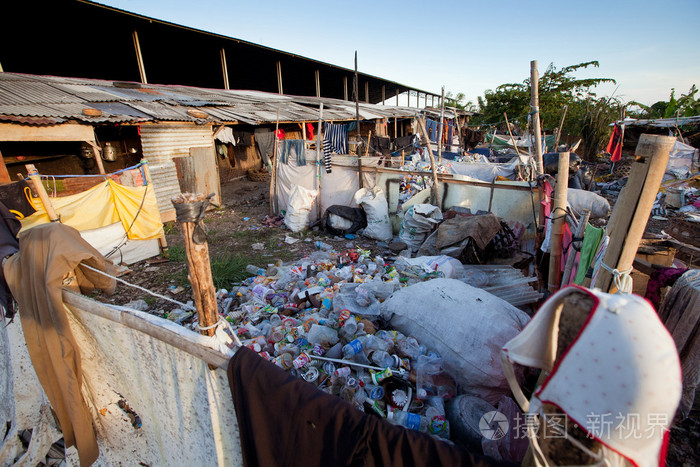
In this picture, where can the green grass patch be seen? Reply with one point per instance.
(177, 253)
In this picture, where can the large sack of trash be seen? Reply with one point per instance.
(377, 209)
(418, 222)
(342, 220)
(299, 207)
(582, 199)
(465, 325)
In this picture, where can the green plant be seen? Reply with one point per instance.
(177, 253)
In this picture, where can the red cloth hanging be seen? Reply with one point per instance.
(280, 134)
(309, 130)
(615, 144)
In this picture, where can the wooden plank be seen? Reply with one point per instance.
(139, 57)
(185, 174)
(535, 107)
(558, 219)
(206, 172)
(62, 132)
(137, 323)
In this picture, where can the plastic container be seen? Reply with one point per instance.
(352, 348)
(254, 270)
(409, 420)
(323, 246)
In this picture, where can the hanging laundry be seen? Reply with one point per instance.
(615, 144)
(380, 144)
(226, 136)
(337, 135)
(403, 143)
(448, 145)
(327, 151)
(431, 126)
(591, 240)
(280, 134)
(471, 138)
(295, 146)
(310, 131)
(242, 138)
(265, 139)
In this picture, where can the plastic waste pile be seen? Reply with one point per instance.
(319, 319)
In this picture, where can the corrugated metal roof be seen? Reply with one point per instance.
(61, 98)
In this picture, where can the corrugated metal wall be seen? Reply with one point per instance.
(162, 143)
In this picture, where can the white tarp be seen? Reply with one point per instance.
(680, 161)
(485, 171)
(186, 409)
(112, 242)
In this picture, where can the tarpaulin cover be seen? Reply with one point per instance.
(102, 205)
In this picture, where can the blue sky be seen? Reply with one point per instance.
(467, 46)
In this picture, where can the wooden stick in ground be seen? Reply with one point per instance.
(580, 231)
(626, 231)
(33, 175)
(98, 156)
(442, 117)
(199, 266)
(561, 125)
(162, 242)
(424, 135)
(273, 178)
(512, 140)
(319, 159)
(361, 182)
(558, 218)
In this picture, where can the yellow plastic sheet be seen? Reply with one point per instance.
(105, 204)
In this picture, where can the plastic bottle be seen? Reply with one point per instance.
(352, 348)
(409, 420)
(323, 246)
(376, 343)
(382, 359)
(254, 270)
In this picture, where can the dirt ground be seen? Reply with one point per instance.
(237, 234)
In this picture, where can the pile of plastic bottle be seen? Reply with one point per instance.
(319, 319)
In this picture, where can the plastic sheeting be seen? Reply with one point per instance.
(107, 203)
(186, 409)
(337, 187)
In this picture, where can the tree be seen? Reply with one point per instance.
(557, 88)
(685, 106)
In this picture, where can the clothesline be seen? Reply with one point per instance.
(96, 175)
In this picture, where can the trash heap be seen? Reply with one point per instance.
(319, 318)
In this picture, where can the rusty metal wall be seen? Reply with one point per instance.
(162, 143)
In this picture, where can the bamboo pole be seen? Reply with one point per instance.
(424, 135)
(273, 178)
(561, 125)
(580, 232)
(535, 108)
(199, 266)
(558, 218)
(319, 159)
(98, 156)
(33, 175)
(459, 133)
(632, 209)
(512, 140)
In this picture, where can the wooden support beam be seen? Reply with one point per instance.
(280, 89)
(345, 88)
(357, 119)
(367, 92)
(424, 135)
(274, 208)
(33, 175)
(383, 93)
(62, 132)
(561, 125)
(97, 151)
(511, 134)
(408, 93)
(139, 57)
(198, 263)
(397, 97)
(318, 84)
(319, 159)
(224, 68)
(440, 127)
(558, 218)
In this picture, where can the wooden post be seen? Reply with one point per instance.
(203, 291)
(424, 135)
(383, 94)
(367, 92)
(345, 87)
(511, 134)
(280, 89)
(558, 218)
(33, 175)
(632, 208)
(535, 108)
(580, 231)
(273, 178)
(561, 125)
(397, 97)
(357, 118)
(97, 151)
(224, 68)
(319, 159)
(459, 133)
(139, 57)
(442, 117)
(162, 241)
(318, 84)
